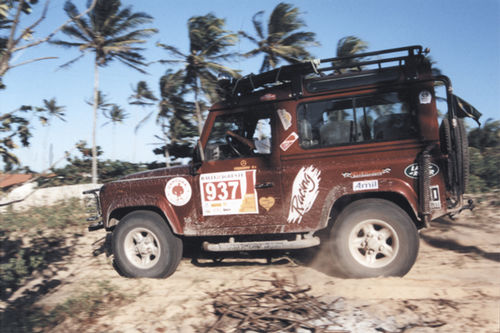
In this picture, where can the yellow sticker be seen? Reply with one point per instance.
(267, 202)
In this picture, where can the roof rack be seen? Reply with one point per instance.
(294, 73)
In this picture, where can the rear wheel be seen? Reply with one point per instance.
(373, 237)
(144, 246)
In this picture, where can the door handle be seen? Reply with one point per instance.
(264, 185)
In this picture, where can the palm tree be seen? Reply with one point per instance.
(208, 44)
(108, 32)
(53, 110)
(349, 46)
(142, 96)
(177, 113)
(283, 41)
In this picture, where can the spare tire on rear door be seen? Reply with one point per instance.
(455, 144)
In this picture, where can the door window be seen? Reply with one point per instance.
(243, 134)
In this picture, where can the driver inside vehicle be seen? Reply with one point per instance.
(240, 135)
(259, 144)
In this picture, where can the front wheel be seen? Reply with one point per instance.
(144, 246)
(373, 237)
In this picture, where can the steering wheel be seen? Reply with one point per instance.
(242, 147)
(232, 144)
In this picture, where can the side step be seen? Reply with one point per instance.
(298, 243)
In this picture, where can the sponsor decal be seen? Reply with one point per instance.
(425, 97)
(365, 185)
(226, 193)
(267, 202)
(289, 141)
(285, 117)
(178, 191)
(412, 170)
(435, 202)
(366, 173)
(243, 165)
(304, 192)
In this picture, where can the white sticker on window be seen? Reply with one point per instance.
(285, 117)
(225, 193)
(425, 97)
(304, 192)
(365, 185)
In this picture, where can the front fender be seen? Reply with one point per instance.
(124, 197)
(144, 202)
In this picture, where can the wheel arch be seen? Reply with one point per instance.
(117, 214)
(335, 206)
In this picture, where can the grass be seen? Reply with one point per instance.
(76, 312)
(37, 240)
(59, 216)
(33, 239)
(88, 305)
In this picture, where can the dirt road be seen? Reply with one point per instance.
(453, 287)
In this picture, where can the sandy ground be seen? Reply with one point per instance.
(453, 287)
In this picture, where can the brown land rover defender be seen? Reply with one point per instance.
(349, 147)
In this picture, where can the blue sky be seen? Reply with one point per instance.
(463, 36)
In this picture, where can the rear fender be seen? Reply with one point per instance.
(395, 190)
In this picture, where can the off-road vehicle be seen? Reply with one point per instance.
(348, 147)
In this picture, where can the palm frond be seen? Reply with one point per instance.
(302, 38)
(247, 36)
(284, 18)
(71, 62)
(257, 24)
(172, 49)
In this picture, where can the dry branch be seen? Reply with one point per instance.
(285, 307)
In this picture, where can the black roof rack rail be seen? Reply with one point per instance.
(295, 72)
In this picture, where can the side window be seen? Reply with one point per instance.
(336, 122)
(387, 117)
(243, 134)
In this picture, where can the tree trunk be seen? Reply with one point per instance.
(199, 116)
(165, 139)
(94, 126)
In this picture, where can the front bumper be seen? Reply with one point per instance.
(93, 206)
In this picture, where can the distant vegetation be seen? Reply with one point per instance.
(484, 143)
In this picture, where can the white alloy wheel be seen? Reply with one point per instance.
(373, 237)
(142, 248)
(373, 243)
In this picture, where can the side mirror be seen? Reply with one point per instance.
(200, 150)
(199, 155)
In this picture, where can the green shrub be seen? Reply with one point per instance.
(55, 217)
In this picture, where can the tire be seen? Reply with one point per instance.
(463, 146)
(373, 237)
(144, 246)
(445, 136)
(460, 155)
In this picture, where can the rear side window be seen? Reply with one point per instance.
(333, 122)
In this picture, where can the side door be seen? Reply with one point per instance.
(239, 181)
